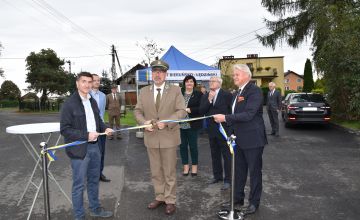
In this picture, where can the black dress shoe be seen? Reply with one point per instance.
(213, 181)
(104, 179)
(227, 204)
(251, 209)
(186, 174)
(272, 133)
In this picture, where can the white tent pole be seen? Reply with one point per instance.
(137, 86)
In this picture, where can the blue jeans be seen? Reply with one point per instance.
(86, 169)
(102, 142)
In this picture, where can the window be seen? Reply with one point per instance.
(250, 65)
(299, 88)
(298, 80)
(286, 80)
(307, 98)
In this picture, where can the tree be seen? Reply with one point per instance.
(228, 83)
(71, 82)
(151, 50)
(333, 26)
(46, 74)
(308, 77)
(1, 70)
(9, 91)
(105, 83)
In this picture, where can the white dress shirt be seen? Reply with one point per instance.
(235, 101)
(215, 97)
(89, 114)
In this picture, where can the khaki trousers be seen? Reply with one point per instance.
(115, 118)
(163, 173)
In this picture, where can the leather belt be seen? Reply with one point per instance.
(92, 142)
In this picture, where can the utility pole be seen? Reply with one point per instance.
(69, 62)
(113, 69)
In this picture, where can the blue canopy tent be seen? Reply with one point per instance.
(180, 66)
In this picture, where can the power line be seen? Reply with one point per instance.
(62, 16)
(63, 57)
(61, 19)
(231, 48)
(231, 39)
(42, 23)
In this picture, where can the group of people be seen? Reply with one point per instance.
(240, 114)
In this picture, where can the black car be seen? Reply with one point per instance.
(305, 108)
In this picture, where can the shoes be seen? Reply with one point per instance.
(227, 205)
(187, 173)
(104, 179)
(213, 181)
(225, 186)
(272, 133)
(154, 204)
(170, 209)
(251, 209)
(101, 213)
(193, 174)
(277, 135)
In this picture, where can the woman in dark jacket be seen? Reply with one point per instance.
(189, 130)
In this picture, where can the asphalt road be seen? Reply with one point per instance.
(310, 172)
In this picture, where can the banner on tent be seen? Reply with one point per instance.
(178, 75)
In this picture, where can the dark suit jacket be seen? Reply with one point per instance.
(222, 106)
(73, 124)
(247, 122)
(274, 101)
(194, 104)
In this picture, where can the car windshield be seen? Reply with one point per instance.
(307, 98)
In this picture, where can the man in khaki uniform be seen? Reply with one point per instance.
(113, 102)
(158, 102)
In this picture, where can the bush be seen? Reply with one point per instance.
(320, 91)
(9, 103)
(289, 91)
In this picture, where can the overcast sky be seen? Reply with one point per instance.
(202, 29)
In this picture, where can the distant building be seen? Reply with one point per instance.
(264, 69)
(293, 81)
(127, 84)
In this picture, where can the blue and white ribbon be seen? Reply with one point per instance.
(50, 151)
(229, 140)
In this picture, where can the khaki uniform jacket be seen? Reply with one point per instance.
(172, 106)
(113, 106)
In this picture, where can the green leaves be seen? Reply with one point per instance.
(308, 77)
(334, 29)
(46, 72)
(9, 91)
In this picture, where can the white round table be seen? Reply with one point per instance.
(38, 128)
(30, 129)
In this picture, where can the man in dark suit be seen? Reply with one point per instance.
(217, 101)
(273, 107)
(247, 124)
